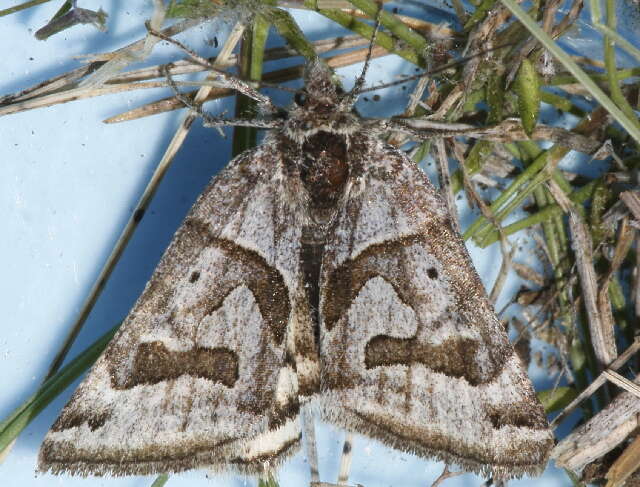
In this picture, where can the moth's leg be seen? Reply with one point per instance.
(211, 121)
(230, 81)
(310, 444)
(345, 460)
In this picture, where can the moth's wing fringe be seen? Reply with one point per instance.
(350, 422)
(207, 460)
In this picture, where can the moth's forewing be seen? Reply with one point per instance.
(197, 376)
(411, 350)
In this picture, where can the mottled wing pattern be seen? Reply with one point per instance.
(199, 374)
(411, 351)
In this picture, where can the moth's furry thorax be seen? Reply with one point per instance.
(322, 143)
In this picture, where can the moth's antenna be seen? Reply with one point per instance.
(355, 91)
(231, 81)
(438, 69)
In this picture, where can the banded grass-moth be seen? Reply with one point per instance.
(320, 270)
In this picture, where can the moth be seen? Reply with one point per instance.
(320, 270)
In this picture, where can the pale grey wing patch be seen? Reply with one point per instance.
(411, 351)
(199, 373)
(167, 422)
(387, 201)
(423, 300)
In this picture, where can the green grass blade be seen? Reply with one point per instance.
(384, 40)
(251, 62)
(289, 30)
(629, 125)
(160, 480)
(556, 399)
(549, 212)
(11, 427)
(393, 24)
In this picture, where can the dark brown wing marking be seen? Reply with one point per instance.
(154, 363)
(455, 356)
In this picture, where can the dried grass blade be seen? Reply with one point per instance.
(277, 76)
(602, 333)
(625, 465)
(600, 434)
(615, 365)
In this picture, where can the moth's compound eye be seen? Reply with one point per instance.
(282, 114)
(300, 98)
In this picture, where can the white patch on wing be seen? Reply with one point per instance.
(272, 440)
(287, 386)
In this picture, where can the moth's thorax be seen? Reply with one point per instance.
(326, 168)
(317, 142)
(320, 115)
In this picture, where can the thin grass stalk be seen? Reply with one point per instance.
(251, 64)
(22, 6)
(629, 124)
(610, 65)
(20, 418)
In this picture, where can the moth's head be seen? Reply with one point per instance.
(321, 106)
(321, 85)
